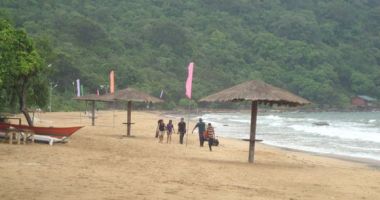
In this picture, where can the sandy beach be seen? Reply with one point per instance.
(99, 163)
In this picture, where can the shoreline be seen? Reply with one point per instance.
(373, 163)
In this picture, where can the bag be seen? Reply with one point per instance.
(205, 134)
(215, 142)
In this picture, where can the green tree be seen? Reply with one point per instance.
(323, 50)
(21, 67)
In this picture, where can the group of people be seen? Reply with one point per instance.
(169, 129)
(205, 134)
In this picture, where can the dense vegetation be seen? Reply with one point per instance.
(21, 70)
(325, 51)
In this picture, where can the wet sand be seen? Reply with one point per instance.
(99, 163)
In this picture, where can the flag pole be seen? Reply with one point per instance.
(78, 95)
(188, 123)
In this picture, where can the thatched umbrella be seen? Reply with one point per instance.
(258, 92)
(93, 98)
(130, 95)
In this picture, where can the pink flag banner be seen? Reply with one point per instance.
(112, 82)
(97, 92)
(189, 81)
(78, 88)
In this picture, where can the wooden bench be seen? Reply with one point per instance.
(16, 134)
(28, 134)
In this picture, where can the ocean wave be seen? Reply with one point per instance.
(244, 121)
(353, 134)
(372, 121)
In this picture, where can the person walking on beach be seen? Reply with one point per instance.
(169, 131)
(211, 135)
(157, 130)
(181, 130)
(161, 129)
(201, 129)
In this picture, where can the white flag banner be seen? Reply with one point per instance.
(78, 87)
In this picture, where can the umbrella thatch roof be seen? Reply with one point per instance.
(94, 97)
(128, 94)
(258, 91)
(131, 94)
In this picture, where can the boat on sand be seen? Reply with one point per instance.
(58, 132)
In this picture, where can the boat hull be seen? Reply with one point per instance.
(57, 132)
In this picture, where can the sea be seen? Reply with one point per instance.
(352, 134)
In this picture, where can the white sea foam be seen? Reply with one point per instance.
(353, 133)
(240, 120)
(349, 134)
(372, 121)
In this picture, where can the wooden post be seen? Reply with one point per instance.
(252, 138)
(93, 113)
(129, 118)
(113, 114)
(25, 137)
(18, 136)
(10, 137)
(32, 135)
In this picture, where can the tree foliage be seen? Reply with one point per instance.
(326, 51)
(20, 66)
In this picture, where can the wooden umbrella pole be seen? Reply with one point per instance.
(113, 115)
(85, 112)
(129, 118)
(93, 113)
(252, 138)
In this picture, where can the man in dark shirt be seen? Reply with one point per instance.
(181, 130)
(201, 129)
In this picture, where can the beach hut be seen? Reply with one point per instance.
(130, 95)
(92, 98)
(258, 92)
(362, 101)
